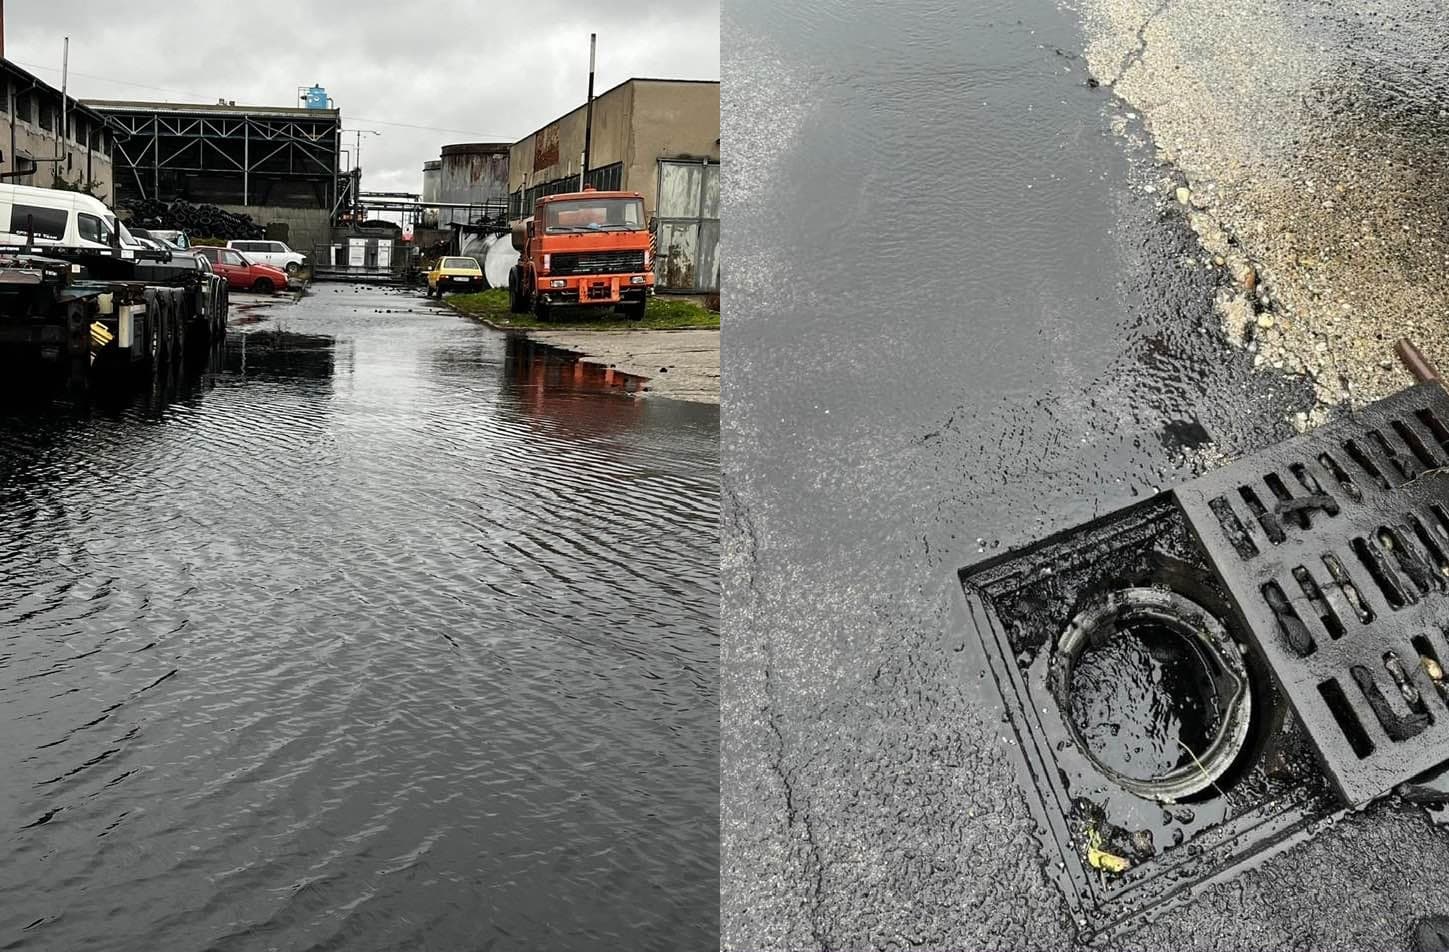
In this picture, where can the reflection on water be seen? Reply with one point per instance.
(370, 638)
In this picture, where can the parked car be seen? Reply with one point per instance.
(274, 253)
(172, 237)
(241, 272)
(146, 239)
(454, 274)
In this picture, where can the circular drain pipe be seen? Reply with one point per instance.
(1124, 612)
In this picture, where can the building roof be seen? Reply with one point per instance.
(212, 109)
(78, 105)
(469, 148)
(632, 79)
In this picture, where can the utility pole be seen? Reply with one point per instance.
(60, 133)
(589, 113)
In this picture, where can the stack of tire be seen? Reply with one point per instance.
(202, 221)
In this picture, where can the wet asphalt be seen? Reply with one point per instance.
(378, 630)
(955, 327)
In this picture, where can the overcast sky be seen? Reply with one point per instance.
(466, 70)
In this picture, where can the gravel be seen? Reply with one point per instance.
(1306, 146)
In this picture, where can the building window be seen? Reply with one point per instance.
(46, 120)
(686, 242)
(606, 179)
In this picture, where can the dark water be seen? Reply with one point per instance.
(1143, 703)
(397, 637)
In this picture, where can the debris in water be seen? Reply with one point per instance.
(1099, 858)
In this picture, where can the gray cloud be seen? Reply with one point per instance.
(488, 71)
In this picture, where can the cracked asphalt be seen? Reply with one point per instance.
(957, 323)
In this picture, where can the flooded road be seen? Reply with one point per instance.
(957, 323)
(393, 635)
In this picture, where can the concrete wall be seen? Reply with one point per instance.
(670, 120)
(31, 140)
(553, 151)
(307, 228)
(636, 123)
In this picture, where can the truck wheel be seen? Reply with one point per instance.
(263, 286)
(542, 310)
(517, 300)
(633, 310)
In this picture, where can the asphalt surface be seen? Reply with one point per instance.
(958, 322)
(380, 630)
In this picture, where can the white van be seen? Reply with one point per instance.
(274, 253)
(58, 217)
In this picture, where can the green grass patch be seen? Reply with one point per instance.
(661, 314)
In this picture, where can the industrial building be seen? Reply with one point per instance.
(33, 111)
(658, 137)
(278, 164)
(432, 177)
(475, 174)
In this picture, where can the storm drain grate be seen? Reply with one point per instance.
(1325, 562)
(1335, 547)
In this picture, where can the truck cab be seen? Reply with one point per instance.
(583, 249)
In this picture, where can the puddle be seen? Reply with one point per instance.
(1144, 703)
(540, 365)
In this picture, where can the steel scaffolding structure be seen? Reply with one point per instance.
(226, 154)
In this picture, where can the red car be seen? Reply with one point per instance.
(241, 272)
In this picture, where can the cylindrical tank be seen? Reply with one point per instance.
(473, 173)
(432, 178)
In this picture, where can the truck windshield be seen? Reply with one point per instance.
(595, 214)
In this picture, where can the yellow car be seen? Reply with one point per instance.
(454, 274)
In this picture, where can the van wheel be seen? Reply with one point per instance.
(293, 267)
(264, 286)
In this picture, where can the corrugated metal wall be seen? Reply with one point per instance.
(474, 176)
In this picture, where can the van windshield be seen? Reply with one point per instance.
(594, 214)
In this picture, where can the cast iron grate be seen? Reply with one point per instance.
(1327, 558)
(1335, 547)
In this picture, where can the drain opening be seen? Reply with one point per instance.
(1405, 465)
(1233, 527)
(1433, 667)
(1314, 594)
(1415, 445)
(1396, 595)
(1347, 720)
(1356, 453)
(1350, 591)
(1289, 624)
(1432, 546)
(1155, 692)
(1266, 519)
(1350, 488)
(1429, 420)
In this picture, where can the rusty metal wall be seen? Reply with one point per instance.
(472, 174)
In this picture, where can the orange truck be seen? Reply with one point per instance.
(583, 249)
